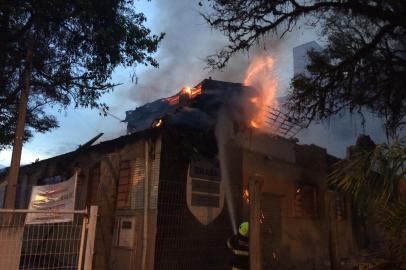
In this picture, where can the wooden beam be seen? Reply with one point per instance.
(91, 236)
(255, 186)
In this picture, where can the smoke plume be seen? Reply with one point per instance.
(183, 52)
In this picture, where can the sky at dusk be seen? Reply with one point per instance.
(181, 57)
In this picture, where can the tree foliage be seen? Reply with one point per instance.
(363, 64)
(371, 178)
(76, 46)
(372, 175)
(392, 219)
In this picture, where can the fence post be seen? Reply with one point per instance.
(255, 186)
(91, 234)
(82, 242)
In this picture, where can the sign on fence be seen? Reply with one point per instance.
(52, 198)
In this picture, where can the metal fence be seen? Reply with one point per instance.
(63, 245)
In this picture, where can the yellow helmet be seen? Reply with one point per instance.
(244, 229)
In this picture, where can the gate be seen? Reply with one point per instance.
(64, 245)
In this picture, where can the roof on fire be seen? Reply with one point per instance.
(197, 105)
(189, 106)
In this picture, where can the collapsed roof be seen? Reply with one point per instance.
(198, 108)
(195, 107)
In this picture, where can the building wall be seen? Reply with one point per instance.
(175, 238)
(182, 242)
(293, 238)
(97, 185)
(128, 243)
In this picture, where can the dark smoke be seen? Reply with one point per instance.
(188, 42)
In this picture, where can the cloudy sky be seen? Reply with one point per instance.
(181, 56)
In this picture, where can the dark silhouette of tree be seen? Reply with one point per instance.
(362, 65)
(74, 46)
(372, 178)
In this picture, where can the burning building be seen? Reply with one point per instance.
(172, 190)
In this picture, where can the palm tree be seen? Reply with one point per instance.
(371, 178)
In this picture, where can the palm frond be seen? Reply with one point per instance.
(392, 220)
(371, 176)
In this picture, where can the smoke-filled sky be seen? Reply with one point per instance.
(181, 57)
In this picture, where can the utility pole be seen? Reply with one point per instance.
(255, 186)
(19, 134)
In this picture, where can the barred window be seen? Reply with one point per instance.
(2, 195)
(123, 192)
(153, 201)
(137, 183)
(305, 201)
(340, 210)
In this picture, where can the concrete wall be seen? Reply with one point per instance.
(131, 257)
(290, 241)
(176, 239)
(182, 242)
(107, 157)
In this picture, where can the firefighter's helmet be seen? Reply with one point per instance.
(244, 229)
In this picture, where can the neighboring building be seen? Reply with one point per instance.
(171, 156)
(300, 57)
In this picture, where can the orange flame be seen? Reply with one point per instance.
(173, 100)
(254, 124)
(192, 92)
(246, 195)
(260, 75)
(254, 100)
(196, 91)
(189, 91)
(159, 123)
(261, 218)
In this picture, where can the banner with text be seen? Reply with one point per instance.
(51, 199)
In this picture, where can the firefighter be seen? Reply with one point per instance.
(238, 244)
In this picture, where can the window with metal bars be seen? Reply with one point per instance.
(305, 201)
(340, 209)
(137, 183)
(124, 185)
(153, 201)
